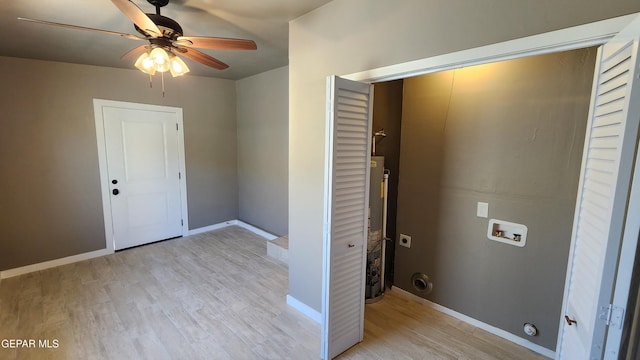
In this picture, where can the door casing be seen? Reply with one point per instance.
(98, 105)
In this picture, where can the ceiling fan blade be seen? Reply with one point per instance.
(128, 36)
(133, 12)
(135, 52)
(202, 58)
(216, 43)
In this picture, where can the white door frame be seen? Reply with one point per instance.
(98, 105)
(593, 34)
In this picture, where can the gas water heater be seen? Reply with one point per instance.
(374, 286)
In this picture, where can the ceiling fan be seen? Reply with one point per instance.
(165, 40)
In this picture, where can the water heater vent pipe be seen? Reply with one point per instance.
(373, 140)
(385, 193)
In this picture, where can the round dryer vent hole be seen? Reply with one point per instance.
(530, 329)
(421, 283)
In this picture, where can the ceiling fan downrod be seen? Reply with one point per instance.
(158, 4)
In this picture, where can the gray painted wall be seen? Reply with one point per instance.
(510, 134)
(347, 36)
(263, 133)
(50, 204)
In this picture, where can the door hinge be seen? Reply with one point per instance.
(612, 315)
(179, 175)
(182, 222)
(177, 126)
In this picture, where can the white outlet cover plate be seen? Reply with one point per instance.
(483, 209)
(405, 240)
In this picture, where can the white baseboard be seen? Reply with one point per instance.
(257, 231)
(239, 223)
(93, 254)
(213, 227)
(53, 263)
(477, 323)
(304, 308)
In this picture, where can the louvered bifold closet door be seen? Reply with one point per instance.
(610, 147)
(346, 213)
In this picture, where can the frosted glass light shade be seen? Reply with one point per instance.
(178, 67)
(160, 58)
(146, 64)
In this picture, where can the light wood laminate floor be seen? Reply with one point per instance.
(209, 296)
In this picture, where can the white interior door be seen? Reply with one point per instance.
(346, 200)
(610, 149)
(143, 173)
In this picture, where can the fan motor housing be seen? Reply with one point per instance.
(159, 3)
(169, 27)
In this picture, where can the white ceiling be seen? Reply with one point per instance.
(264, 21)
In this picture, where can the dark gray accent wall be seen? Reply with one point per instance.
(387, 115)
(50, 202)
(510, 134)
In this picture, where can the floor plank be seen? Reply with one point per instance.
(215, 295)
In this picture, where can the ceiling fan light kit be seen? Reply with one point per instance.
(165, 37)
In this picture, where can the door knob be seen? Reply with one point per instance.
(570, 321)
(115, 192)
(114, 181)
(351, 245)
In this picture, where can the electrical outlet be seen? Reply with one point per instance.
(405, 240)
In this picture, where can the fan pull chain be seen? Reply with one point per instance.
(162, 83)
(150, 82)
